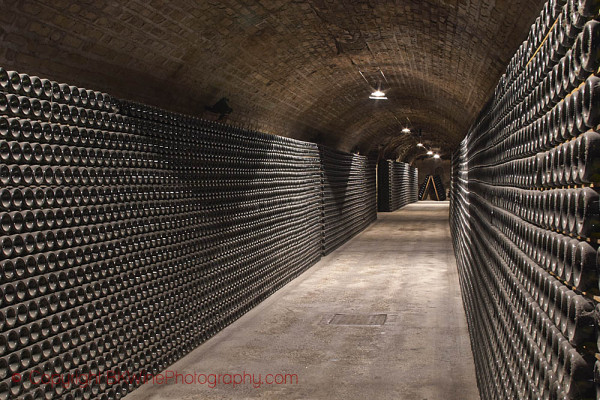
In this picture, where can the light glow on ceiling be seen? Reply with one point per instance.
(378, 95)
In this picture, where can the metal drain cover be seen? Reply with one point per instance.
(358, 319)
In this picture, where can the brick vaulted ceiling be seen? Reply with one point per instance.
(288, 67)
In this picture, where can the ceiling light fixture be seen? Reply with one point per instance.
(430, 153)
(420, 145)
(406, 130)
(436, 156)
(378, 95)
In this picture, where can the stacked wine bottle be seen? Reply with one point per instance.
(130, 234)
(349, 196)
(525, 215)
(397, 185)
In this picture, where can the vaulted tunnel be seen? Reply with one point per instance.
(288, 68)
(307, 199)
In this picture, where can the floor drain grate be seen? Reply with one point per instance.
(358, 319)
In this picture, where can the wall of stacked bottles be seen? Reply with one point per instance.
(349, 196)
(398, 185)
(413, 184)
(131, 235)
(525, 215)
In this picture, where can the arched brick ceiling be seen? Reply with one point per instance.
(288, 67)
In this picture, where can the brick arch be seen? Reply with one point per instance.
(279, 62)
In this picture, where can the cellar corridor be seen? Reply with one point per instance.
(381, 317)
(224, 200)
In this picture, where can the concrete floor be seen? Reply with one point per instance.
(403, 266)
